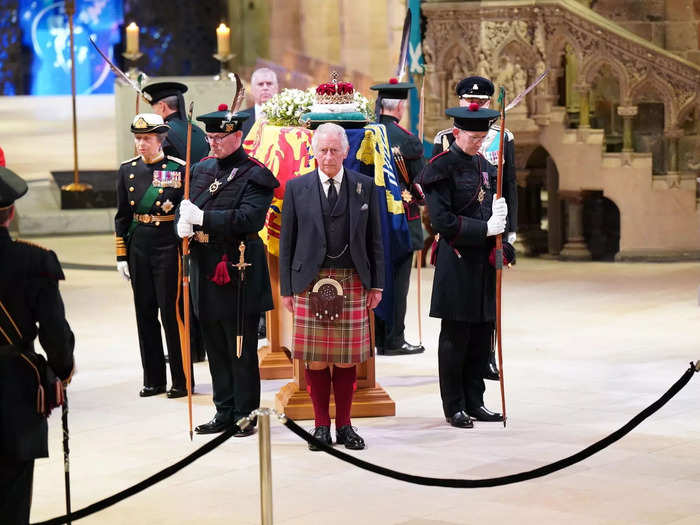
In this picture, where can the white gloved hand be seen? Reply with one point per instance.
(191, 213)
(123, 269)
(497, 223)
(512, 237)
(184, 229)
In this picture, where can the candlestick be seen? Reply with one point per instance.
(223, 40)
(132, 38)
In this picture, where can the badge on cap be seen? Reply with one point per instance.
(141, 123)
(475, 87)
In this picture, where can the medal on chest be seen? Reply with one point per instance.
(214, 186)
(406, 195)
(166, 179)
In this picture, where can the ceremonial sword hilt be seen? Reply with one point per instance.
(241, 264)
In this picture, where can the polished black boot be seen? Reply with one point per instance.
(405, 349)
(460, 420)
(323, 434)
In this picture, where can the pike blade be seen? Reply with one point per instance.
(532, 86)
(120, 73)
(403, 50)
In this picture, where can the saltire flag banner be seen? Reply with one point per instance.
(286, 151)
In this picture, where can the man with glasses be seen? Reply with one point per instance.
(465, 213)
(230, 195)
(479, 90)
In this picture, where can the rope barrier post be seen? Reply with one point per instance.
(265, 467)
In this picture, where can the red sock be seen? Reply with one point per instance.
(343, 387)
(320, 383)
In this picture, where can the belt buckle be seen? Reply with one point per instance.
(146, 219)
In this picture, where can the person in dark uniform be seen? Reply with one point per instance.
(479, 90)
(467, 216)
(167, 101)
(408, 158)
(31, 307)
(149, 188)
(331, 276)
(231, 193)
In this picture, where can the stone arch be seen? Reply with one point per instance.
(589, 70)
(556, 48)
(662, 91)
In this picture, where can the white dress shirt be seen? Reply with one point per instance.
(337, 180)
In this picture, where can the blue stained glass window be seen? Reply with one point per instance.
(45, 30)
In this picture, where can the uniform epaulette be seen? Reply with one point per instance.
(177, 160)
(131, 159)
(402, 128)
(438, 156)
(440, 134)
(206, 158)
(256, 161)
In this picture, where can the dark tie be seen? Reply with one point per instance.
(332, 194)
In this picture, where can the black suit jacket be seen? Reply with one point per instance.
(248, 123)
(303, 236)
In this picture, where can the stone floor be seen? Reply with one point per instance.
(586, 347)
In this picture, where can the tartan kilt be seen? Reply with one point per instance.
(345, 340)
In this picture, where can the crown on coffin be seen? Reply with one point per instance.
(335, 92)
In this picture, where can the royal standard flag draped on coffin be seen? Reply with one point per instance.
(286, 151)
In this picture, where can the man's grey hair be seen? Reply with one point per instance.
(263, 71)
(391, 104)
(162, 136)
(170, 101)
(329, 129)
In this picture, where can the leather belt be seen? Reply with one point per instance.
(203, 238)
(155, 219)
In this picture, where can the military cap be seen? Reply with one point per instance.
(393, 89)
(472, 117)
(222, 121)
(148, 123)
(475, 87)
(160, 90)
(12, 187)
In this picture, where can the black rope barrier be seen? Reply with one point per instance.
(143, 485)
(383, 471)
(511, 478)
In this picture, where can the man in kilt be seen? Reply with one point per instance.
(331, 276)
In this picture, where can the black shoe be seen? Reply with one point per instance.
(379, 350)
(214, 426)
(405, 349)
(176, 392)
(484, 414)
(149, 391)
(492, 369)
(244, 432)
(460, 420)
(323, 434)
(347, 436)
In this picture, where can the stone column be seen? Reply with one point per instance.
(672, 138)
(584, 119)
(575, 248)
(627, 113)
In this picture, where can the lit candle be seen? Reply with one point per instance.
(223, 42)
(132, 38)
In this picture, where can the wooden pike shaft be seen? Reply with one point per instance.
(185, 344)
(499, 259)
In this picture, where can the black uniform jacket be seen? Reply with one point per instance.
(235, 212)
(464, 283)
(445, 138)
(29, 278)
(412, 152)
(138, 193)
(175, 143)
(303, 236)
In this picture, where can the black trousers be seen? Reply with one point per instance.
(463, 353)
(15, 491)
(153, 265)
(235, 381)
(394, 337)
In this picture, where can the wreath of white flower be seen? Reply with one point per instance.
(287, 107)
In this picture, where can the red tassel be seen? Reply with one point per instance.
(221, 276)
(492, 258)
(433, 251)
